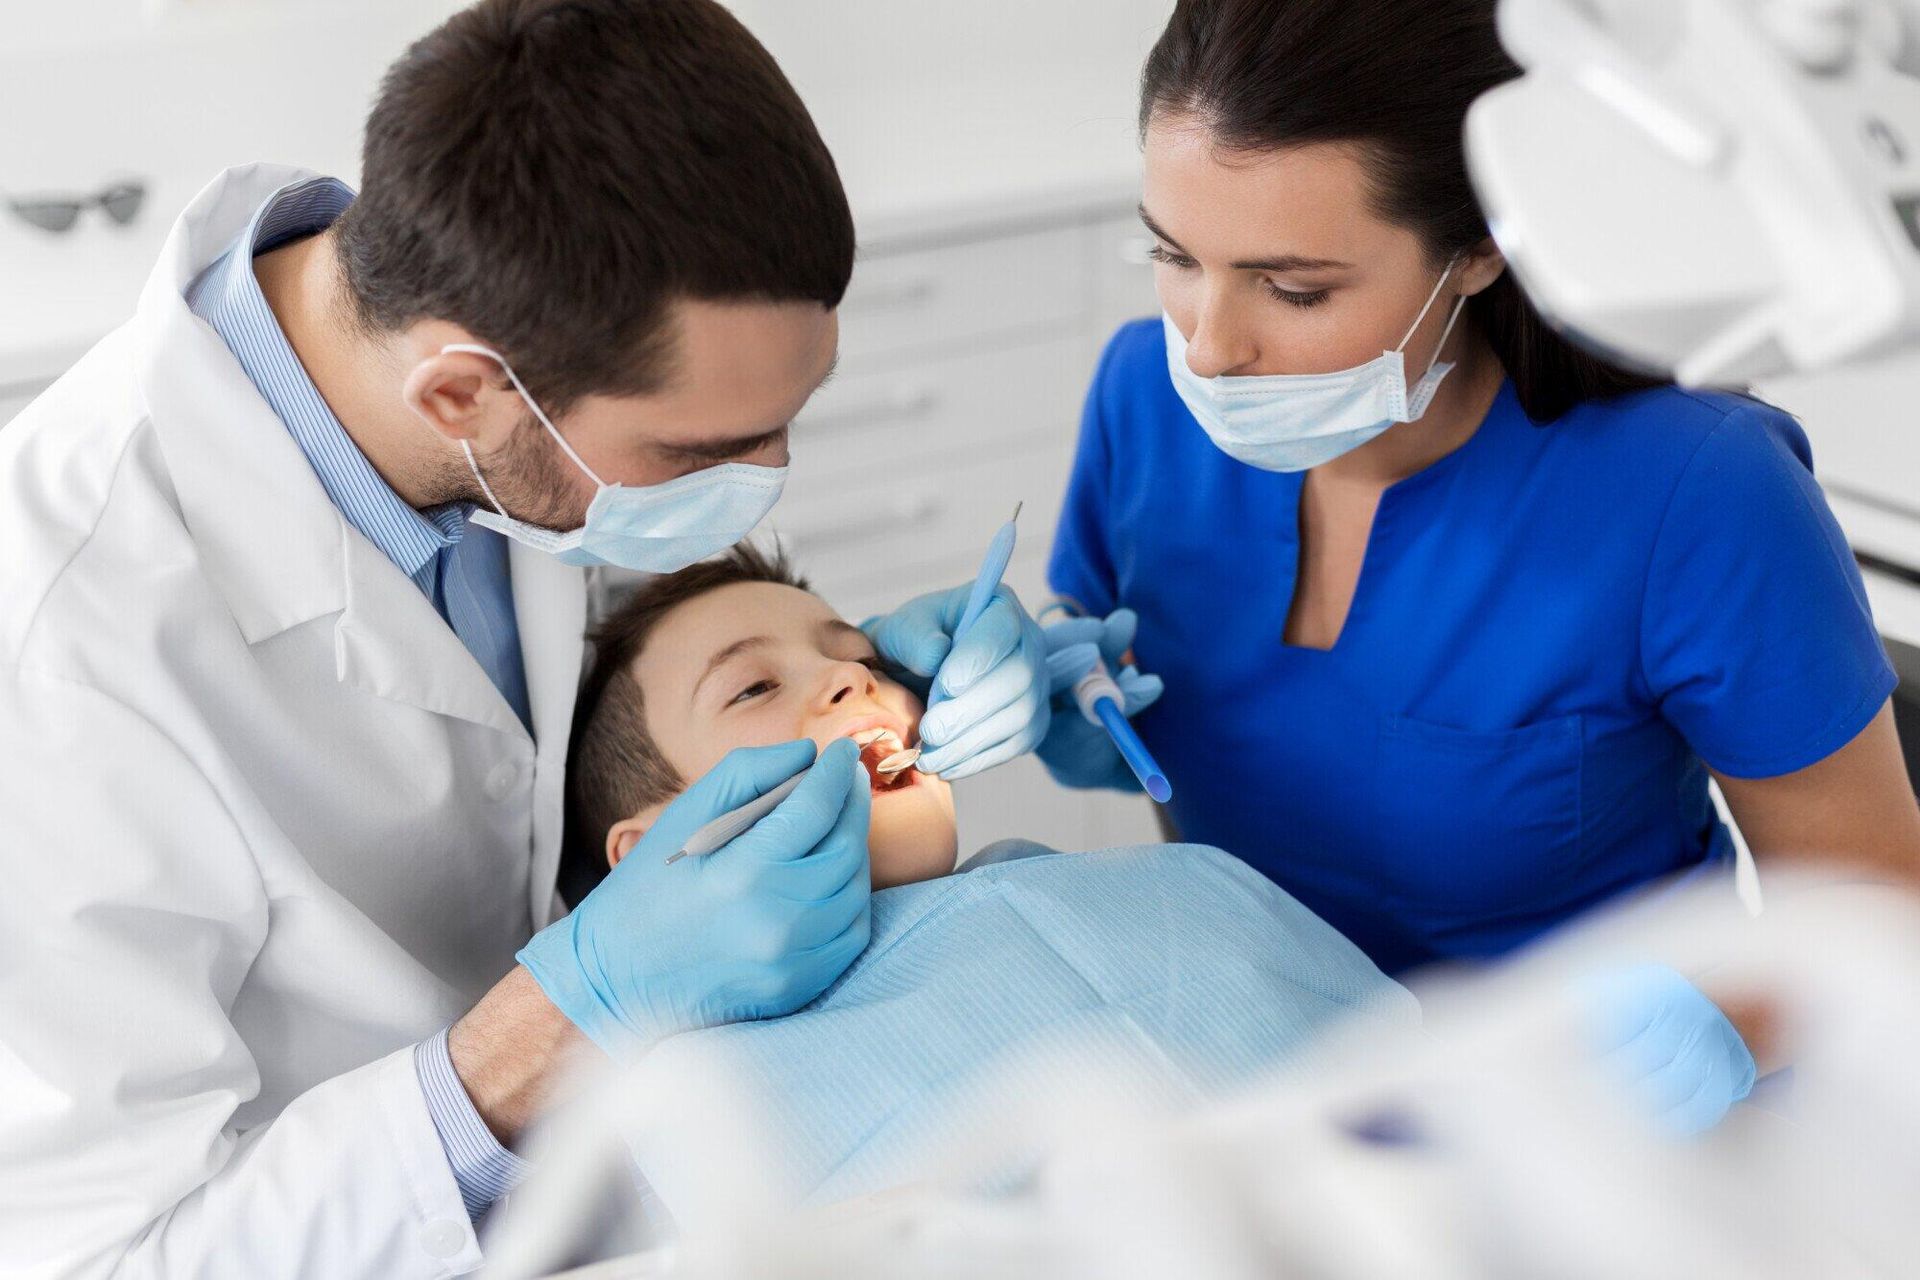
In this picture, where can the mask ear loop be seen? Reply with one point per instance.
(1459, 305)
(1437, 286)
(474, 466)
(476, 350)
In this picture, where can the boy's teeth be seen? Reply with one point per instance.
(867, 737)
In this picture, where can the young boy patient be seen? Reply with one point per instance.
(736, 652)
(1173, 968)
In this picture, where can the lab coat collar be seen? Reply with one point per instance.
(392, 643)
(265, 531)
(550, 606)
(278, 549)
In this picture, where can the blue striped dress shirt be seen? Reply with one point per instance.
(462, 569)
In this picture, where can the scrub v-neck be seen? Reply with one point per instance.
(1393, 495)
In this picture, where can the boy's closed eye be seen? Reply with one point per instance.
(752, 691)
(761, 687)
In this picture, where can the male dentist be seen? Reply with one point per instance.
(290, 627)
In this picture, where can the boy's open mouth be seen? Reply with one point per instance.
(877, 746)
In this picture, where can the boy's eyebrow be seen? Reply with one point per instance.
(841, 627)
(725, 656)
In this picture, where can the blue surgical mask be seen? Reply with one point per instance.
(657, 528)
(1294, 421)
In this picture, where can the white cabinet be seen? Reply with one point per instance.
(934, 300)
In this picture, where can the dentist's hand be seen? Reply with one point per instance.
(1676, 1048)
(753, 930)
(994, 681)
(1076, 752)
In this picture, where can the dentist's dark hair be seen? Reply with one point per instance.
(1396, 78)
(553, 175)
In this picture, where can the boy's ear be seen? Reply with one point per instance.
(623, 835)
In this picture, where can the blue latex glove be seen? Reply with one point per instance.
(994, 680)
(1681, 1055)
(1076, 752)
(754, 930)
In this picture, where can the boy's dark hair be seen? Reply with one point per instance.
(615, 769)
(553, 174)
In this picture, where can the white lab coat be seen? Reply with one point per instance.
(264, 824)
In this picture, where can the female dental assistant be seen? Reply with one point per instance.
(1451, 636)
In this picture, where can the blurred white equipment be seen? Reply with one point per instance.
(1498, 1147)
(1723, 189)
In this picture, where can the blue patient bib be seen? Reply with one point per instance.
(1176, 969)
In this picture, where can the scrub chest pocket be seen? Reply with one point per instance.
(1482, 825)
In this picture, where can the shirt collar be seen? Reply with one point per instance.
(229, 298)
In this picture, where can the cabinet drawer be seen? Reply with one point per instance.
(898, 534)
(880, 588)
(924, 415)
(931, 299)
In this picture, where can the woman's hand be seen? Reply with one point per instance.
(1678, 1051)
(1079, 754)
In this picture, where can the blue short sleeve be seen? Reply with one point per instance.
(1756, 638)
(1081, 568)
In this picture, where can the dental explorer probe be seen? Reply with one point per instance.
(985, 583)
(729, 826)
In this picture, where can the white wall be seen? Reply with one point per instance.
(915, 95)
(92, 87)
(91, 91)
(925, 104)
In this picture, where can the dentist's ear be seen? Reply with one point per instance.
(455, 391)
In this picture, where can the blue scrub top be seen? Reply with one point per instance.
(1553, 627)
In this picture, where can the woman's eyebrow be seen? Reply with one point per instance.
(1291, 262)
(1283, 263)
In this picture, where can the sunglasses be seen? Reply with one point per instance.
(121, 202)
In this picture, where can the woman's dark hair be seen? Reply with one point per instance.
(552, 175)
(1396, 77)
